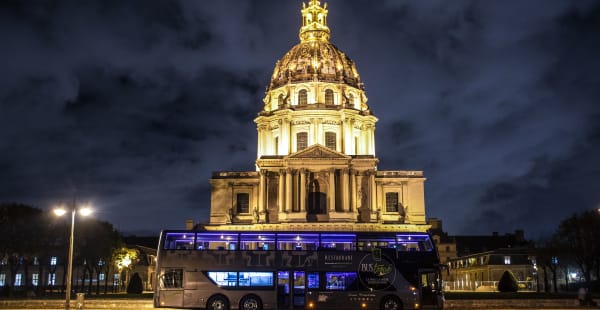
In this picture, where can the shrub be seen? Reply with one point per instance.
(135, 284)
(508, 283)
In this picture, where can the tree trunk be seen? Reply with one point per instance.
(554, 281)
(546, 287)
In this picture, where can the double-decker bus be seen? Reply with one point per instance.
(297, 270)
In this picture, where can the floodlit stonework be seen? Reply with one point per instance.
(316, 168)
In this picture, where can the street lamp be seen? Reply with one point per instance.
(60, 211)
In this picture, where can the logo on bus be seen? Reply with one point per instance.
(376, 271)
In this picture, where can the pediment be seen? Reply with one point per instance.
(317, 151)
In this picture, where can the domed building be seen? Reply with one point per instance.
(316, 168)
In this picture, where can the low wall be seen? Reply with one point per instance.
(479, 304)
(89, 304)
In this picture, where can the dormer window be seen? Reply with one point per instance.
(329, 97)
(302, 97)
(280, 100)
(350, 99)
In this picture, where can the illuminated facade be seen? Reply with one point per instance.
(316, 167)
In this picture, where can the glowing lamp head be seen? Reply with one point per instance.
(85, 211)
(60, 211)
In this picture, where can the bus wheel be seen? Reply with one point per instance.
(391, 303)
(218, 302)
(250, 302)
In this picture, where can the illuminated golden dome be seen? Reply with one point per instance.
(315, 58)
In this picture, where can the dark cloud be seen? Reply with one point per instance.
(132, 105)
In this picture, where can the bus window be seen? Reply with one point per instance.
(339, 242)
(312, 279)
(179, 241)
(414, 242)
(339, 281)
(254, 279)
(298, 241)
(223, 278)
(171, 278)
(377, 241)
(257, 241)
(216, 241)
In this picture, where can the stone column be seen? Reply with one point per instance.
(302, 190)
(331, 189)
(373, 191)
(344, 184)
(288, 190)
(281, 192)
(353, 205)
(285, 137)
(262, 192)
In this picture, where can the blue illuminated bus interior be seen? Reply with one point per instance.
(294, 241)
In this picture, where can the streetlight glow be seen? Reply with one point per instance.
(85, 211)
(60, 211)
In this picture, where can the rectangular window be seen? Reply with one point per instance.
(116, 279)
(179, 241)
(36, 261)
(301, 141)
(51, 279)
(391, 202)
(224, 278)
(2, 279)
(171, 278)
(53, 261)
(312, 280)
(18, 278)
(254, 279)
(330, 140)
(35, 279)
(243, 203)
(102, 277)
(339, 281)
(506, 260)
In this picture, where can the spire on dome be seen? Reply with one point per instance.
(314, 22)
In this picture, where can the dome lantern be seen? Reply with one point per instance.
(314, 22)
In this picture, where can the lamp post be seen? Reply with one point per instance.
(60, 211)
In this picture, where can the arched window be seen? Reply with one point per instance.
(301, 141)
(302, 97)
(350, 99)
(330, 140)
(329, 97)
(280, 100)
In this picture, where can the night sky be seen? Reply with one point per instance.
(131, 105)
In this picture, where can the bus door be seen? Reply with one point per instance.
(291, 285)
(430, 289)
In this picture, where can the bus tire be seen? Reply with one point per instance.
(391, 303)
(251, 302)
(217, 302)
